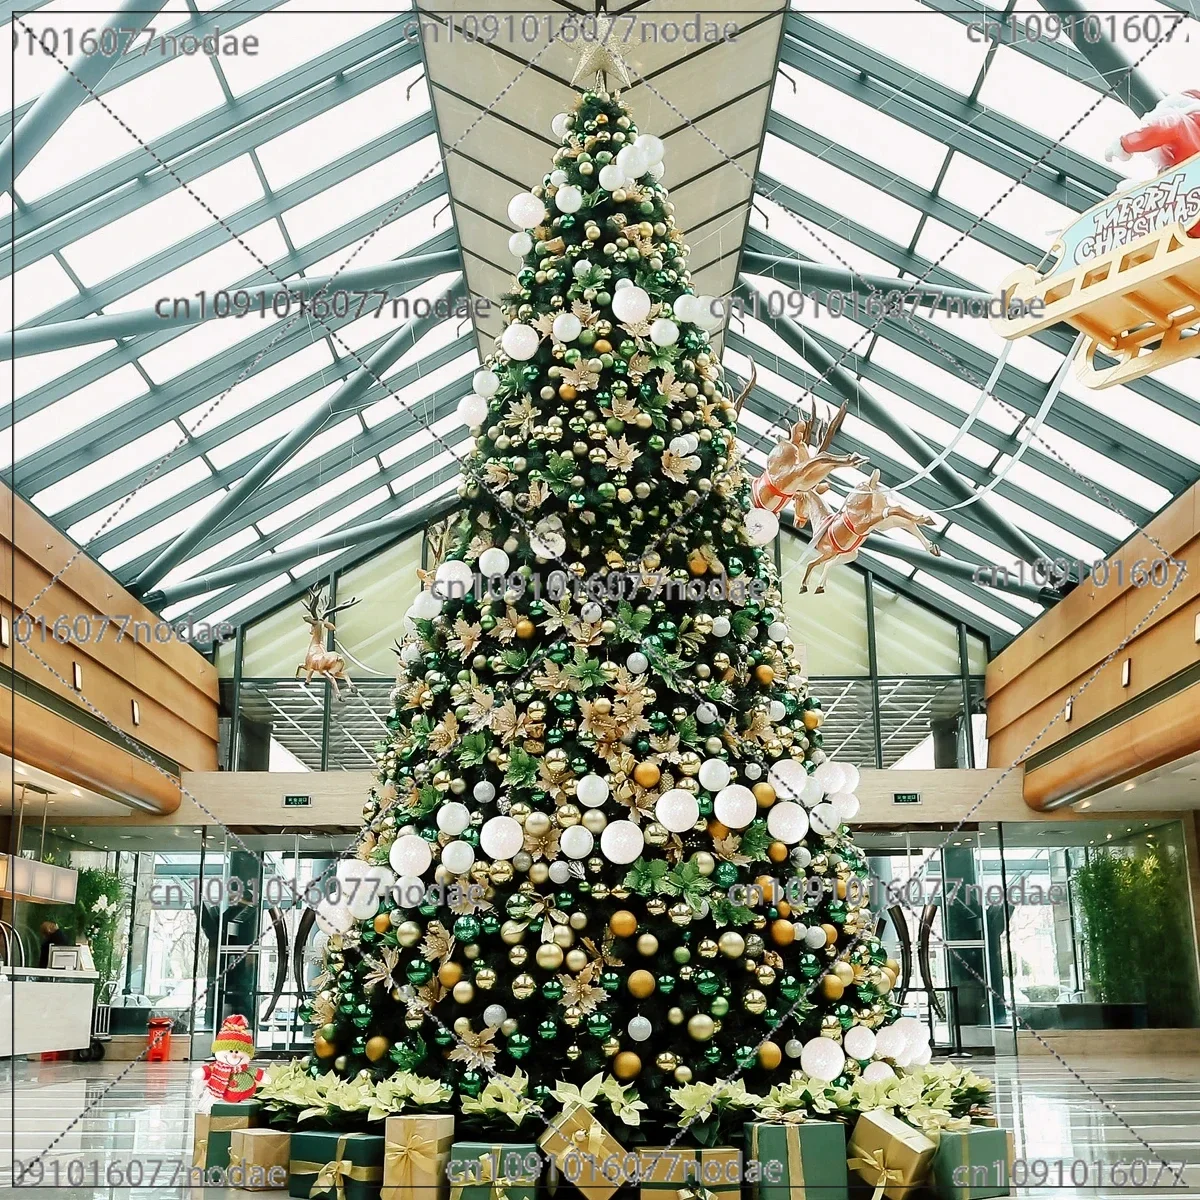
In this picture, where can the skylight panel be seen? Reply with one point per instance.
(1027, 354)
(162, 223)
(288, 38)
(866, 437)
(397, 239)
(1087, 508)
(936, 584)
(1110, 476)
(968, 258)
(398, 451)
(35, 370)
(323, 443)
(1024, 211)
(1151, 420)
(333, 133)
(1053, 537)
(274, 586)
(840, 190)
(38, 287)
(147, 496)
(414, 396)
(160, 101)
(866, 129)
(269, 431)
(213, 557)
(343, 516)
(158, 535)
(315, 499)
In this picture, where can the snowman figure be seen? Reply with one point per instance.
(228, 1077)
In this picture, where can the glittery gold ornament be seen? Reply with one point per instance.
(449, 974)
(408, 933)
(769, 1056)
(640, 984)
(626, 1065)
(576, 960)
(463, 992)
(567, 815)
(731, 944)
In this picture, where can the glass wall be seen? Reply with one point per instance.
(901, 685)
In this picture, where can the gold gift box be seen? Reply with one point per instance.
(416, 1154)
(889, 1154)
(683, 1169)
(261, 1156)
(585, 1152)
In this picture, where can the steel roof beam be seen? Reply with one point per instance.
(357, 281)
(69, 90)
(1123, 80)
(910, 442)
(229, 130)
(346, 397)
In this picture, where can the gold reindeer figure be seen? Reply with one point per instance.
(794, 469)
(839, 534)
(317, 659)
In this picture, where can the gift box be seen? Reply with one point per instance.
(889, 1154)
(416, 1154)
(686, 1173)
(790, 1160)
(213, 1130)
(585, 1152)
(341, 1166)
(485, 1171)
(258, 1159)
(974, 1164)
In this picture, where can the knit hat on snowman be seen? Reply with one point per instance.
(234, 1035)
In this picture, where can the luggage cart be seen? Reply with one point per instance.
(101, 1024)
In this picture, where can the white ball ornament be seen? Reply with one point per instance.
(558, 178)
(822, 1059)
(582, 267)
(622, 283)
(410, 653)
(501, 838)
(592, 612)
(632, 162)
(425, 607)
(777, 631)
(525, 210)
(409, 892)
(859, 1042)
(621, 842)
(520, 341)
(592, 791)
(685, 308)
(568, 199)
(710, 313)
(824, 819)
(520, 244)
(677, 810)
(484, 791)
(612, 177)
(844, 805)
(493, 561)
(472, 411)
(829, 776)
(761, 525)
(485, 383)
(651, 147)
(801, 856)
(787, 822)
(560, 871)
(363, 897)
(915, 1034)
(905, 1057)
(334, 918)
(714, 774)
(576, 841)
(706, 713)
(851, 777)
(793, 1047)
(890, 1042)
(410, 855)
(811, 792)
(560, 124)
(787, 777)
(631, 304)
(639, 1028)
(495, 1015)
(735, 806)
(637, 663)
(458, 857)
(815, 937)
(877, 1072)
(453, 818)
(656, 171)
(567, 327)
(721, 626)
(776, 711)
(664, 332)
(452, 580)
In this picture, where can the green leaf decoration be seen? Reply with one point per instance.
(755, 840)
(741, 622)
(522, 768)
(587, 670)
(472, 750)
(645, 876)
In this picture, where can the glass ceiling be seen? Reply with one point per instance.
(894, 142)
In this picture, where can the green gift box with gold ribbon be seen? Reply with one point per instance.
(488, 1171)
(688, 1173)
(214, 1130)
(416, 1155)
(336, 1166)
(792, 1160)
(973, 1165)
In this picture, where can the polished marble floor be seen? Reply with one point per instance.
(1095, 1128)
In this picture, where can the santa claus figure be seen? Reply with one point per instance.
(1169, 134)
(228, 1077)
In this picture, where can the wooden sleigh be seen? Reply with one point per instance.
(1126, 274)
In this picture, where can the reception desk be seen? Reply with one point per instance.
(43, 1010)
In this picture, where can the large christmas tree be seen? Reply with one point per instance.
(600, 732)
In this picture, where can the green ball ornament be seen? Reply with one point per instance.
(726, 875)
(552, 989)
(844, 1014)
(607, 492)
(719, 1007)
(328, 1032)
(810, 966)
(419, 972)
(666, 984)
(547, 1030)
(610, 981)
(490, 924)
(466, 930)
(706, 981)
(681, 954)
(599, 1025)
(745, 1056)
(471, 1083)
(790, 988)
(712, 1054)
(656, 444)
(519, 1045)
(444, 1037)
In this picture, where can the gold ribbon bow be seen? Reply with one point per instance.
(200, 1150)
(401, 1161)
(487, 1175)
(696, 1192)
(877, 1163)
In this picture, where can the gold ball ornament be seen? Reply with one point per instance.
(576, 960)
(675, 1015)
(812, 718)
(627, 1065)
(708, 948)
(408, 933)
(523, 987)
(754, 1002)
(666, 1061)
(764, 793)
(641, 984)
(764, 673)
(783, 933)
(683, 1073)
(731, 944)
(701, 1027)
(382, 922)
(525, 628)
(449, 974)
(769, 1056)
(844, 971)
(549, 956)
(485, 978)
(518, 956)
(322, 1048)
(832, 988)
(537, 823)
(777, 852)
(706, 864)
(647, 945)
(623, 923)
(647, 774)
(463, 992)
(501, 872)
(512, 932)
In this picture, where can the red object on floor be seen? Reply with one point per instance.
(54, 1055)
(158, 1039)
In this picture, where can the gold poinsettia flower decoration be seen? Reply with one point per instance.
(580, 992)
(444, 734)
(476, 1050)
(586, 633)
(481, 709)
(553, 679)
(505, 628)
(621, 454)
(521, 416)
(760, 728)
(465, 901)
(623, 408)
(507, 723)
(323, 1010)
(554, 785)
(559, 617)
(418, 694)
(381, 970)
(545, 324)
(544, 845)
(582, 379)
(603, 955)
(467, 636)
(666, 746)
(671, 387)
(478, 544)
(728, 849)
(598, 721)
(438, 945)
(498, 474)
(539, 493)
(639, 364)
(587, 315)
(675, 466)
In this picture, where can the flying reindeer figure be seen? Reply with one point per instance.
(794, 469)
(317, 659)
(839, 534)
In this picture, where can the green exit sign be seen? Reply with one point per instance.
(297, 801)
(906, 797)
